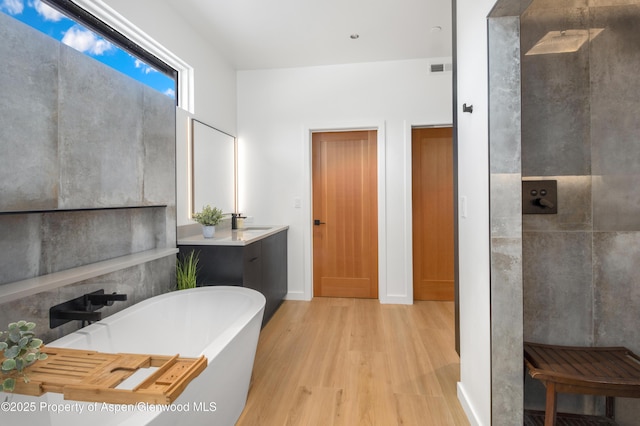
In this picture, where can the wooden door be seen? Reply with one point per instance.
(345, 202)
(432, 197)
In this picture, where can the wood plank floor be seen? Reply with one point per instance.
(356, 362)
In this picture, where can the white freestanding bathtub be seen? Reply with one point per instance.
(221, 323)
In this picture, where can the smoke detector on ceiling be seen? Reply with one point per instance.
(440, 68)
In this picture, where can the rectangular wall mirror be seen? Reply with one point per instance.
(213, 168)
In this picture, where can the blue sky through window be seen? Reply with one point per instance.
(51, 22)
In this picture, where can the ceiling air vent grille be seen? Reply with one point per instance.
(440, 67)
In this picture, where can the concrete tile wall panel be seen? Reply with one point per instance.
(159, 148)
(100, 129)
(148, 228)
(506, 221)
(616, 205)
(506, 205)
(558, 290)
(555, 98)
(33, 308)
(616, 269)
(506, 303)
(82, 237)
(504, 104)
(20, 245)
(617, 294)
(615, 125)
(159, 184)
(615, 61)
(627, 411)
(28, 119)
(574, 207)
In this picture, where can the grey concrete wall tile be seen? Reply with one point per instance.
(558, 290)
(506, 330)
(506, 202)
(574, 207)
(28, 141)
(627, 411)
(33, 308)
(159, 148)
(506, 220)
(615, 54)
(617, 297)
(20, 246)
(555, 99)
(504, 95)
(82, 237)
(171, 221)
(616, 203)
(101, 147)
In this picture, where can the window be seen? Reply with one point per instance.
(85, 33)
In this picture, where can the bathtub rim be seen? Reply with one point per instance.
(211, 348)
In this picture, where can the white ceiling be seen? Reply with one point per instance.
(257, 34)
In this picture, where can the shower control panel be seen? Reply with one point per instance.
(539, 197)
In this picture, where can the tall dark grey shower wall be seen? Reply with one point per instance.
(579, 117)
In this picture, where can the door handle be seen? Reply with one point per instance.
(317, 222)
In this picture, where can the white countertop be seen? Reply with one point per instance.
(236, 237)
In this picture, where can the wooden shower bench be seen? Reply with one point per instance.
(607, 371)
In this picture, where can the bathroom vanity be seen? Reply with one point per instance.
(253, 257)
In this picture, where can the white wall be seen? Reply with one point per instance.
(214, 78)
(276, 109)
(474, 388)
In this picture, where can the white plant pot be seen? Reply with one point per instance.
(208, 231)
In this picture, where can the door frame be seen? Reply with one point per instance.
(308, 129)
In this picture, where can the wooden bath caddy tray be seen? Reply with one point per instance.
(92, 376)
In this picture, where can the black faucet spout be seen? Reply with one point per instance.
(78, 315)
(105, 299)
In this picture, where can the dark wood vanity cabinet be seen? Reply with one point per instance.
(261, 265)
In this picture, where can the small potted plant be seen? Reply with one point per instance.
(20, 348)
(187, 270)
(209, 217)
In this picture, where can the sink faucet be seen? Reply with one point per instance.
(234, 219)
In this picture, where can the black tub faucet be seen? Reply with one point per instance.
(101, 299)
(83, 308)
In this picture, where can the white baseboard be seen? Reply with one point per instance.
(467, 407)
(396, 300)
(296, 296)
